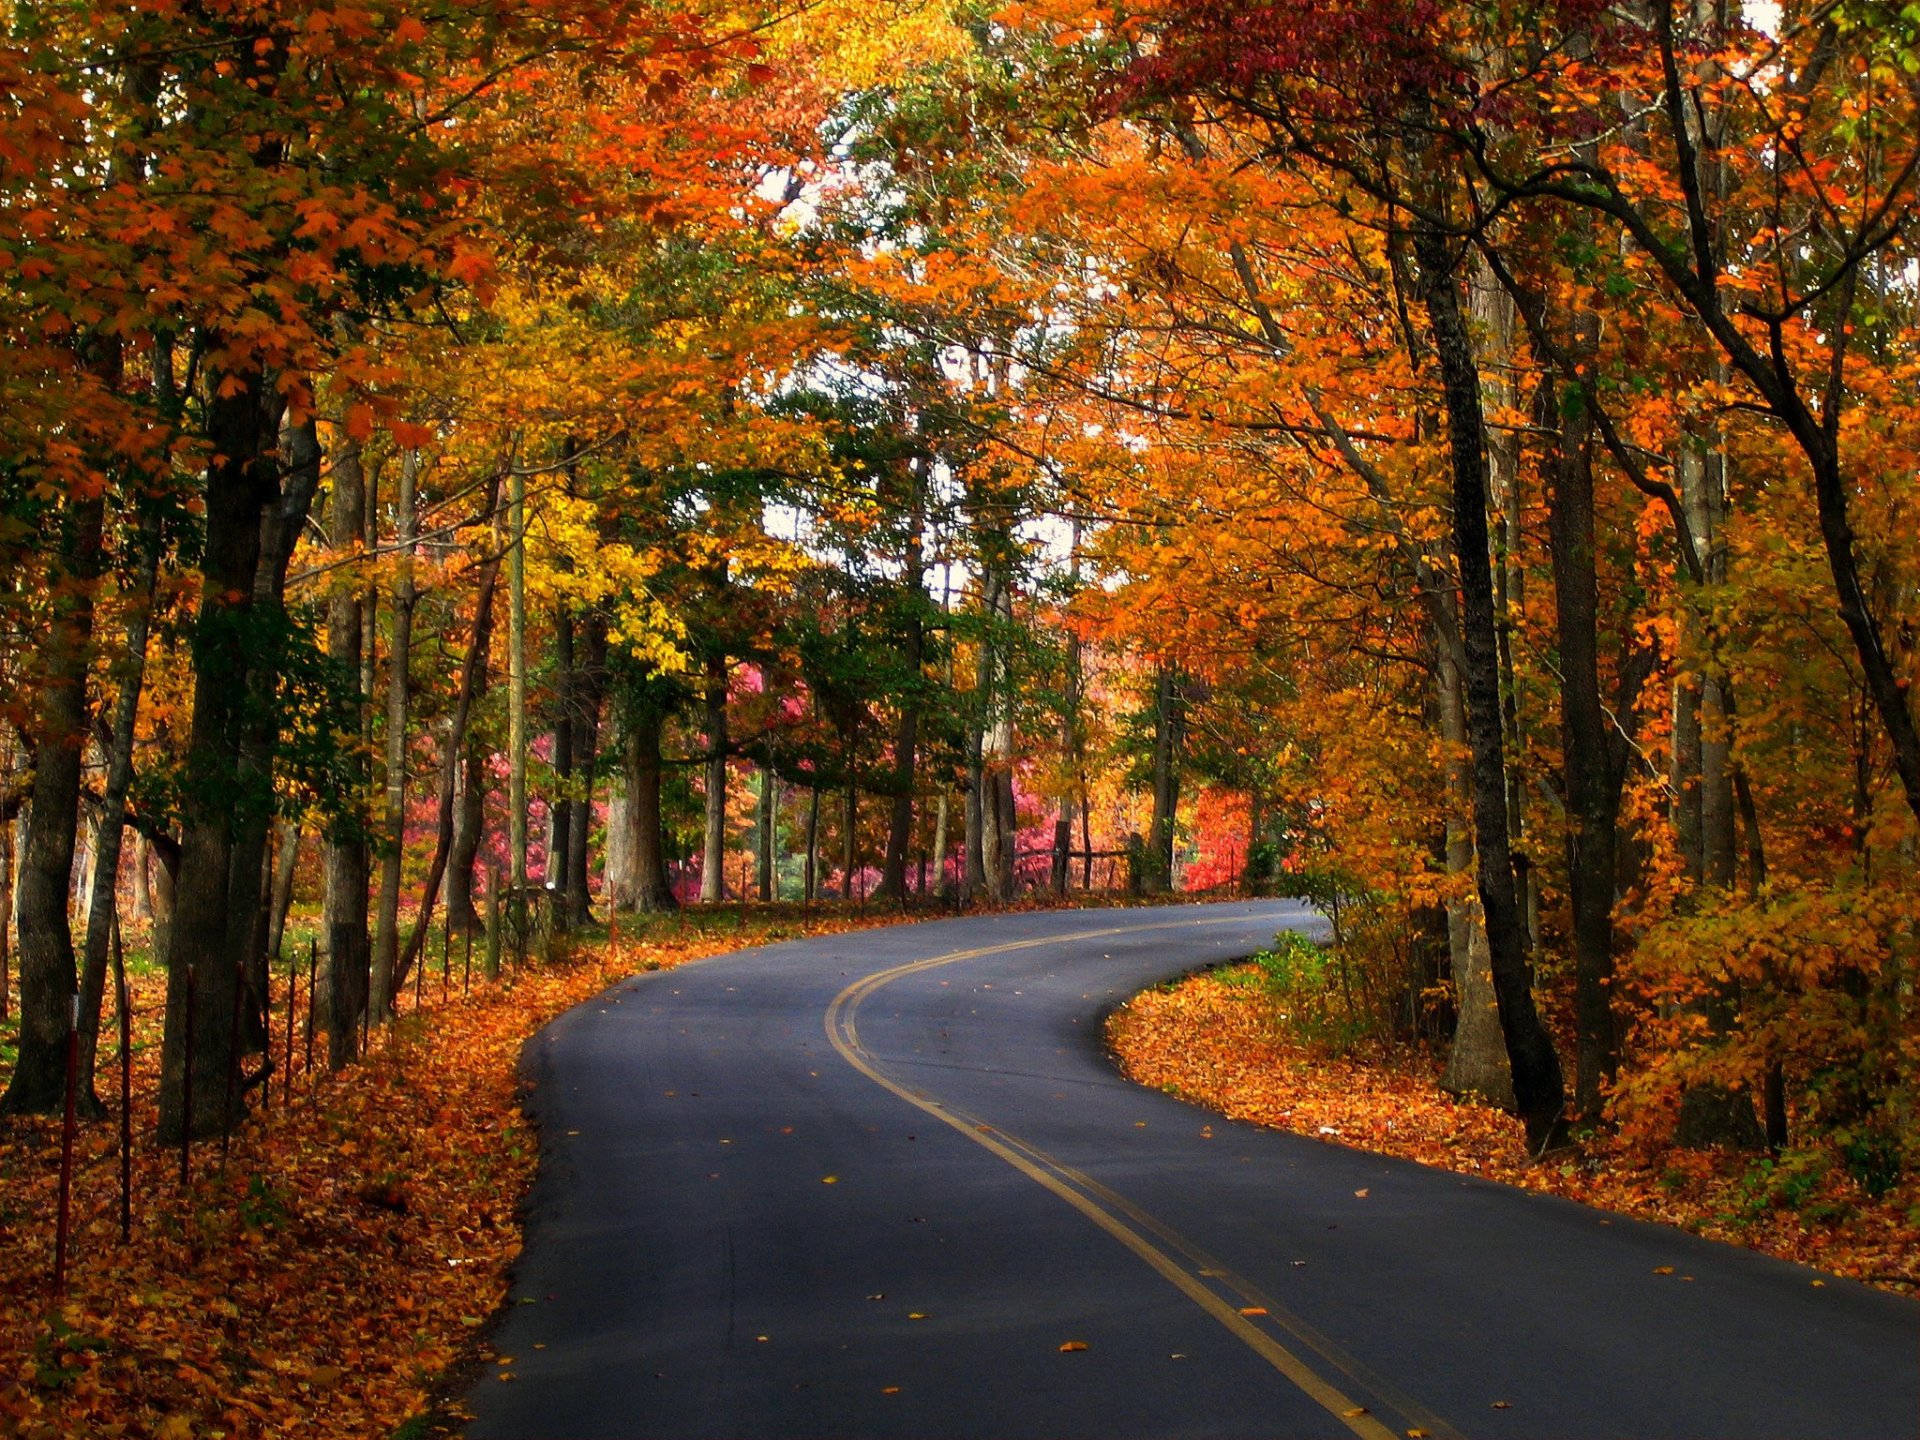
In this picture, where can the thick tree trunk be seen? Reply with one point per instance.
(651, 888)
(1168, 743)
(221, 793)
(1538, 1087)
(713, 859)
(393, 829)
(1477, 1062)
(942, 823)
(345, 905)
(48, 978)
(973, 817)
(1592, 779)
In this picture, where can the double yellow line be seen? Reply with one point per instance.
(1194, 1274)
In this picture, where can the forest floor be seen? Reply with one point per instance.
(349, 1248)
(1218, 1040)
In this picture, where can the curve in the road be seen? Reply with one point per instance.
(744, 1226)
(1195, 1274)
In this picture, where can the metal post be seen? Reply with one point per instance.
(66, 1147)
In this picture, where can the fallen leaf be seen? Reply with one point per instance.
(829, 1179)
(890, 1390)
(1361, 1193)
(1073, 1345)
(1253, 1309)
(1663, 1269)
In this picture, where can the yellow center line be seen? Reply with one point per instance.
(1086, 1195)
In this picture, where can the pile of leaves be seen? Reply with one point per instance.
(320, 1279)
(1221, 1040)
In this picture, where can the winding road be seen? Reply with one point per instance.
(888, 1184)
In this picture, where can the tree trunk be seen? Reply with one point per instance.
(893, 877)
(589, 690)
(942, 822)
(713, 860)
(1168, 737)
(1538, 1087)
(393, 830)
(765, 851)
(811, 884)
(286, 868)
(472, 669)
(517, 818)
(242, 482)
(651, 888)
(1592, 780)
(48, 979)
(998, 824)
(560, 811)
(345, 908)
(470, 821)
(1477, 1062)
(112, 827)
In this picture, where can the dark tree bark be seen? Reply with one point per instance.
(1592, 775)
(713, 878)
(1169, 736)
(651, 888)
(347, 861)
(243, 481)
(893, 877)
(766, 847)
(393, 829)
(112, 828)
(1538, 1086)
(589, 693)
(560, 812)
(48, 977)
(470, 821)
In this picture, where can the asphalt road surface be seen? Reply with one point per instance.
(888, 1184)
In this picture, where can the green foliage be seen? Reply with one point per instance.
(1311, 989)
(1786, 1183)
(1874, 1156)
